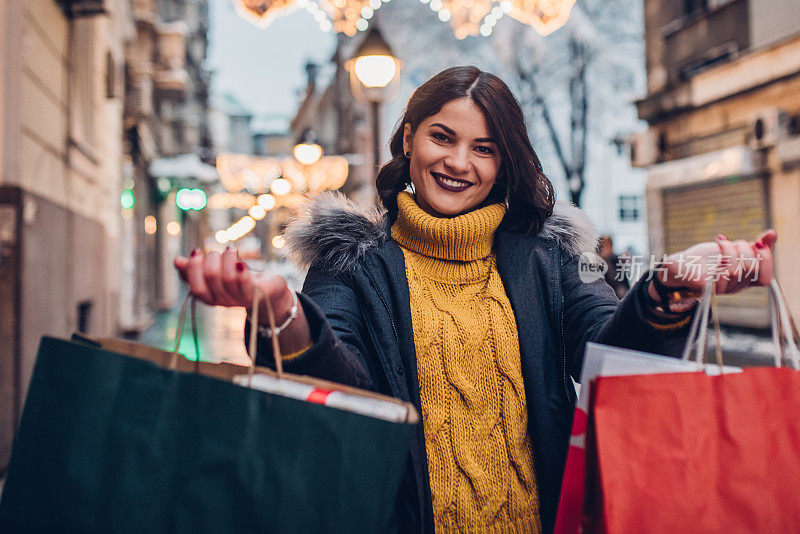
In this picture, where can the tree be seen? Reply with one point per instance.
(600, 34)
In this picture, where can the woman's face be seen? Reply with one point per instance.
(454, 159)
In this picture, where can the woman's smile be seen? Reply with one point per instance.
(450, 184)
(454, 159)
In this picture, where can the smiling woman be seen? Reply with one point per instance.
(454, 159)
(463, 143)
(466, 299)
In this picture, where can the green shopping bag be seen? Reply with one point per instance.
(113, 441)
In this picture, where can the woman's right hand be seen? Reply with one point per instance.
(222, 280)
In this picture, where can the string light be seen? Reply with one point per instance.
(474, 17)
(221, 236)
(239, 229)
(174, 228)
(257, 212)
(341, 16)
(266, 201)
(467, 17)
(281, 186)
(150, 225)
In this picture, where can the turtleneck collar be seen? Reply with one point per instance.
(466, 237)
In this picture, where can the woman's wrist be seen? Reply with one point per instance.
(669, 302)
(281, 321)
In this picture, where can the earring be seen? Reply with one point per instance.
(408, 154)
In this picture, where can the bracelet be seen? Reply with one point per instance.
(266, 331)
(668, 296)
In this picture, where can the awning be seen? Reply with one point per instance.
(82, 8)
(183, 167)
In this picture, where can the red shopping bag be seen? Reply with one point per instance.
(600, 360)
(688, 452)
(677, 450)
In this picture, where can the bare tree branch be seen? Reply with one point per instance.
(529, 80)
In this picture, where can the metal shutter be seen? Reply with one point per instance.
(735, 207)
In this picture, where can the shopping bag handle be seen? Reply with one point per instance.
(173, 362)
(698, 332)
(781, 322)
(258, 295)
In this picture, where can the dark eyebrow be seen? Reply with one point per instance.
(453, 133)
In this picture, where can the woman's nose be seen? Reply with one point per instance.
(458, 160)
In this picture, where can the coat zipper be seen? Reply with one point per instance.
(563, 344)
(385, 305)
(564, 353)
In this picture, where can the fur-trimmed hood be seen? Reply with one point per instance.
(337, 232)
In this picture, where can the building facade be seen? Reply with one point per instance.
(61, 153)
(722, 151)
(83, 241)
(166, 125)
(341, 122)
(181, 88)
(139, 276)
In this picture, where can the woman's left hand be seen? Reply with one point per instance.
(734, 265)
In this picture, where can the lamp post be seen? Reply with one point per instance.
(372, 69)
(307, 150)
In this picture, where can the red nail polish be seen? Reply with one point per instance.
(722, 236)
(195, 252)
(240, 266)
(760, 245)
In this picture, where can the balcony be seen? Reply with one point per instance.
(82, 8)
(145, 11)
(140, 98)
(699, 41)
(174, 79)
(171, 73)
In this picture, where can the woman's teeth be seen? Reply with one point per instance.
(451, 184)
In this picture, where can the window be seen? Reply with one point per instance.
(630, 208)
(693, 6)
(83, 75)
(178, 133)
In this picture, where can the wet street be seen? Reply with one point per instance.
(220, 333)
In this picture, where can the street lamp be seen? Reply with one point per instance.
(307, 151)
(372, 69)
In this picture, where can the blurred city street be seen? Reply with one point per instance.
(136, 131)
(220, 334)
(220, 330)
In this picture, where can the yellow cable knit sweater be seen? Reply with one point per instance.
(470, 378)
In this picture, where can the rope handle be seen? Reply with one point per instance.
(258, 295)
(173, 361)
(781, 322)
(695, 347)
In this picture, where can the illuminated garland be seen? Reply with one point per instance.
(467, 17)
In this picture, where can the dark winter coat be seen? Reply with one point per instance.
(357, 302)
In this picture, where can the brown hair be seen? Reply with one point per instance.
(520, 180)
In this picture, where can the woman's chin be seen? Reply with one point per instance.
(447, 204)
(440, 209)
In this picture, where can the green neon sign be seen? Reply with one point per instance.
(127, 199)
